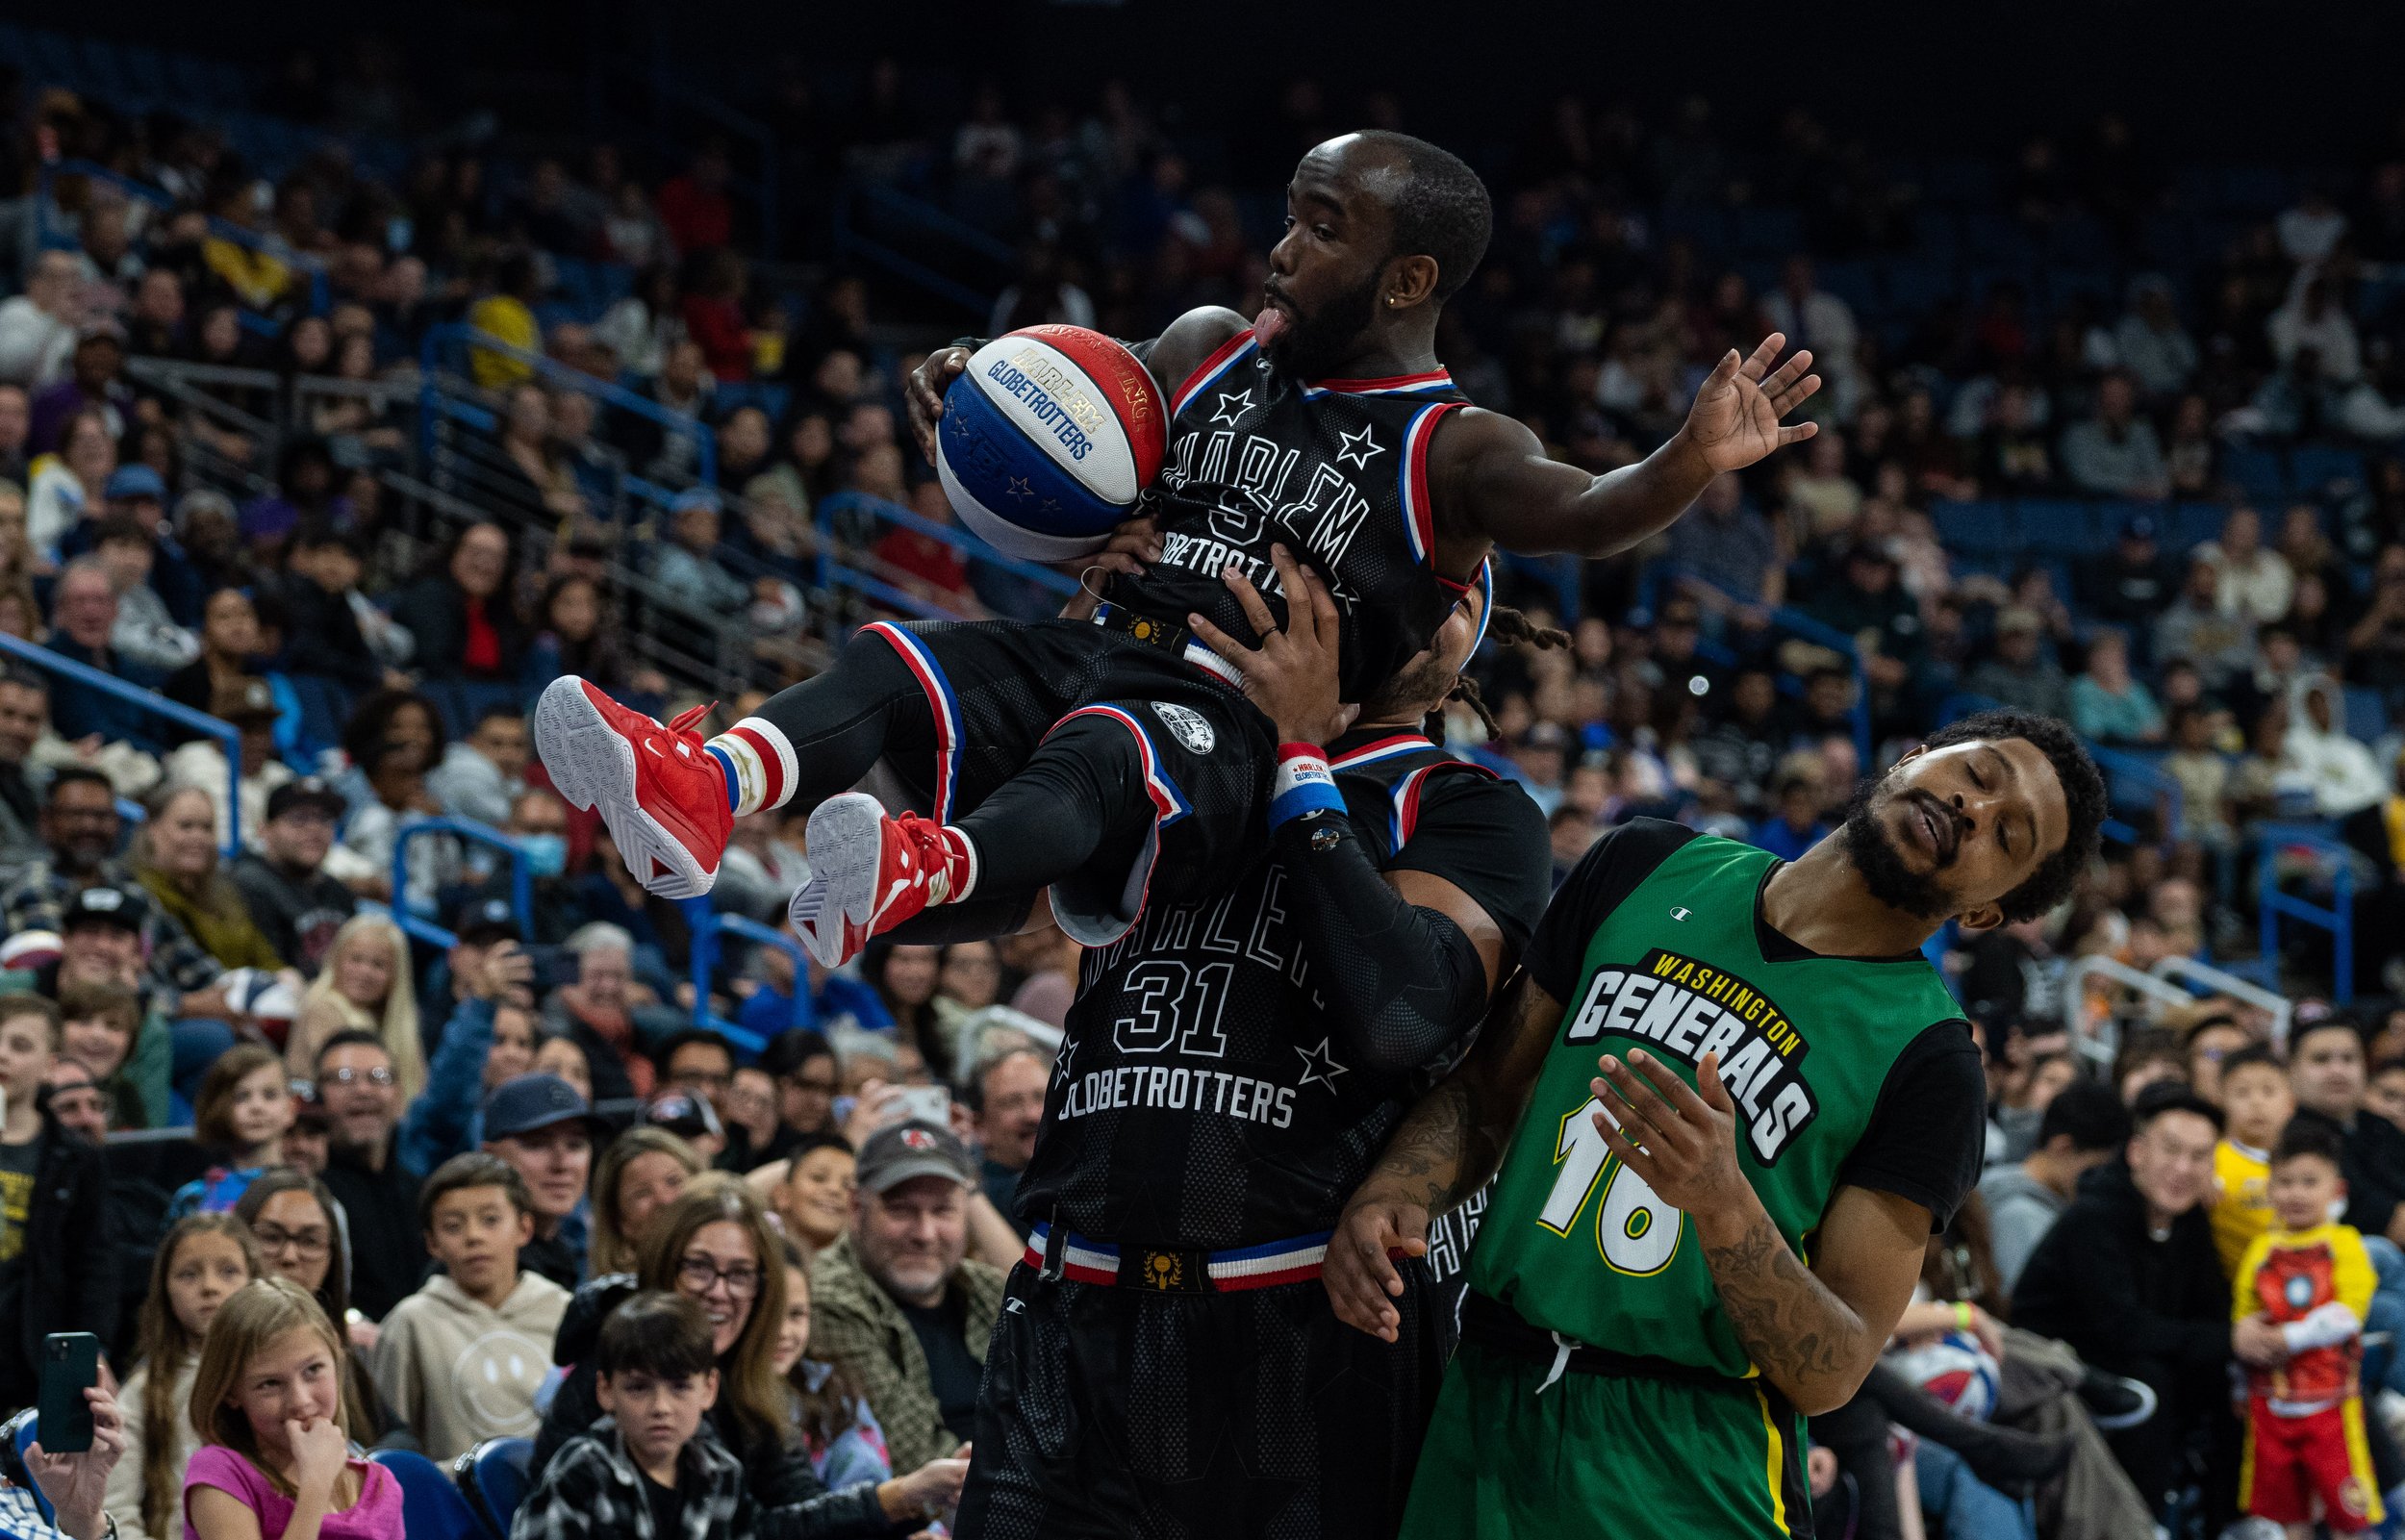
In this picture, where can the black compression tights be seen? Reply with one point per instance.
(1079, 795)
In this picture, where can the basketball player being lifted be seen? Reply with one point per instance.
(1166, 1363)
(1716, 1233)
(1046, 749)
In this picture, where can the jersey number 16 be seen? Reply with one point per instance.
(1636, 1232)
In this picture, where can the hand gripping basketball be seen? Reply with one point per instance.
(1292, 674)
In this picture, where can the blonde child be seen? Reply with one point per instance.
(267, 1405)
(204, 1259)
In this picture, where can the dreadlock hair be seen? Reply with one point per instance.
(1511, 628)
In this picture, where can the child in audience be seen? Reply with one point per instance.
(274, 1462)
(2310, 1278)
(846, 1444)
(240, 1116)
(461, 1359)
(100, 1023)
(204, 1259)
(2257, 1100)
(645, 1471)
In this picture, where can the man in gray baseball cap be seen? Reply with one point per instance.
(899, 1301)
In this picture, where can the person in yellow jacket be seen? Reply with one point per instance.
(2258, 1101)
(507, 315)
(2310, 1279)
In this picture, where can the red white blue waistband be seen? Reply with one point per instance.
(1086, 1260)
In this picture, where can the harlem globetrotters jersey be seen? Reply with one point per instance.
(1336, 472)
(1202, 1101)
(1845, 1071)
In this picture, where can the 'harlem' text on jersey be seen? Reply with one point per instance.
(1336, 472)
(1685, 1009)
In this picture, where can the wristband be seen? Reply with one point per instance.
(1302, 786)
(1962, 1313)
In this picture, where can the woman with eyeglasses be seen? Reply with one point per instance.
(714, 1246)
(302, 1235)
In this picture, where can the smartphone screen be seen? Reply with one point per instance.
(70, 1364)
(927, 1103)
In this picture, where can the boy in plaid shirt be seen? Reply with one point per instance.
(646, 1471)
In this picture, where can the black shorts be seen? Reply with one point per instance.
(1122, 1412)
(996, 690)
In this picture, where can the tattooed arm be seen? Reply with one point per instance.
(1815, 1333)
(1446, 1149)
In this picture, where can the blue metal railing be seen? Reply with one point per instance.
(706, 925)
(227, 230)
(925, 219)
(229, 737)
(521, 874)
(2272, 904)
(434, 404)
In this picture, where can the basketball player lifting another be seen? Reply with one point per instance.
(1667, 1277)
(1166, 1364)
(1085, 747)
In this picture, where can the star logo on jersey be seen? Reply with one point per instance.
(1233, 408)
(1019, 488)
(1068, 1052)
(1357, 448)
(1320, 1065)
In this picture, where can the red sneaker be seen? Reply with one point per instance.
(662, 794)
(869, 872)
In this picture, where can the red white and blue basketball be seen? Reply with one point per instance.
(1049, 439)
(1955, 1369)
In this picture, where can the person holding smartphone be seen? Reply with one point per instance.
(76, 1486)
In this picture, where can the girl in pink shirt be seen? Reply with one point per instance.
(274, 1462)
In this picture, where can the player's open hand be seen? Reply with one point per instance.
(924, 398)
(1360, 1272)
(1292, 674)
(1734, 421)
(1681, 1142)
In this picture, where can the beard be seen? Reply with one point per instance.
(1875, 856)
(1316, 344)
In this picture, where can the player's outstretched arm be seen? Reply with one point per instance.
(1447, 1147)
(1813, 1333)
(1494, 481)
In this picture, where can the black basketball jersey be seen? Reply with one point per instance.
(1202, 1101)
(1336, 472)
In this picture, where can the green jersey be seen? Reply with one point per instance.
(1845, 1071)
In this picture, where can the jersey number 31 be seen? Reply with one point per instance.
(1636, 1232)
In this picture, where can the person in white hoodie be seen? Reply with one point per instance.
(461, 1359)
(2317, 752)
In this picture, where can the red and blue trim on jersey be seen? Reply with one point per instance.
(1298, 1260)
(942, 703)
(1169, 804)
(1404, 818)
(1384, 749)
(1419, 515)
(1428, 384)
(1212, 369)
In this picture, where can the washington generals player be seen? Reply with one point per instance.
(1047, 750)
(1166, 1364)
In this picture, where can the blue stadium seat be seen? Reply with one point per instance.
(768, 396)
(495, 1476)
(2258, 472)
(2193, 523)
(18, 1433)
(2313, 467)
(432, 1506)
(2049, 524)
(2367, 720)
(1975, 527)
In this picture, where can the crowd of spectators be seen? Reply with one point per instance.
(1795, 630)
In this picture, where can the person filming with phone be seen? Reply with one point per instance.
(75, 1484)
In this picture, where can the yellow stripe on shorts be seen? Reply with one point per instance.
(1777, 1462)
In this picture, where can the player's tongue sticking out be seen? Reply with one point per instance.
(1268, 325)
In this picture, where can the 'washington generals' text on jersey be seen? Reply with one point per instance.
(1202, 1100)
(1336, 472)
